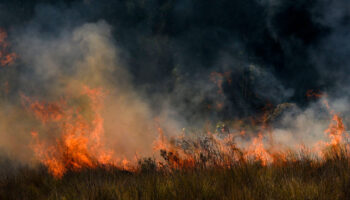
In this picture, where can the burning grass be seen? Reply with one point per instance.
(300, 176)
(72, 159)
(207, 166)
(75, 163)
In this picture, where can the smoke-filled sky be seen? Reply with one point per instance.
(188, 61)
(296, 45)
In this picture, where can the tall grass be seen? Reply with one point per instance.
(302, 177)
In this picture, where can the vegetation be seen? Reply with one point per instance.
(302, 178)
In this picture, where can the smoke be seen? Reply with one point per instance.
(184, 63)
(59, 66)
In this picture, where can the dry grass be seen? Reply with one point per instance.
(304, 178)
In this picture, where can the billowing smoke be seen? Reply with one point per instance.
(180, 64)
(59, 67)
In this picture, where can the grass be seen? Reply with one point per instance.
(303, 178)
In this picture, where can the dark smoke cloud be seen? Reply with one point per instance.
(275, 50)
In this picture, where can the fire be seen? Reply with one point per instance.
(258, 152)
(223, 150)
(314, 94)
(336, 134)
(174, 155)
(79, 143)
(72, 138)
(336, 130)
(6, 58)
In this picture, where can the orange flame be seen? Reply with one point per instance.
(79, 143)
(74, 139)
(335, 130)
(258, 152)
(6, 58)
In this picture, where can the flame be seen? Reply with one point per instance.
(6, 58)
(79, 143)
(258, 152)
(174, 155)
(335, 130)
(314, 94)
(72, 138)
(261, 148)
